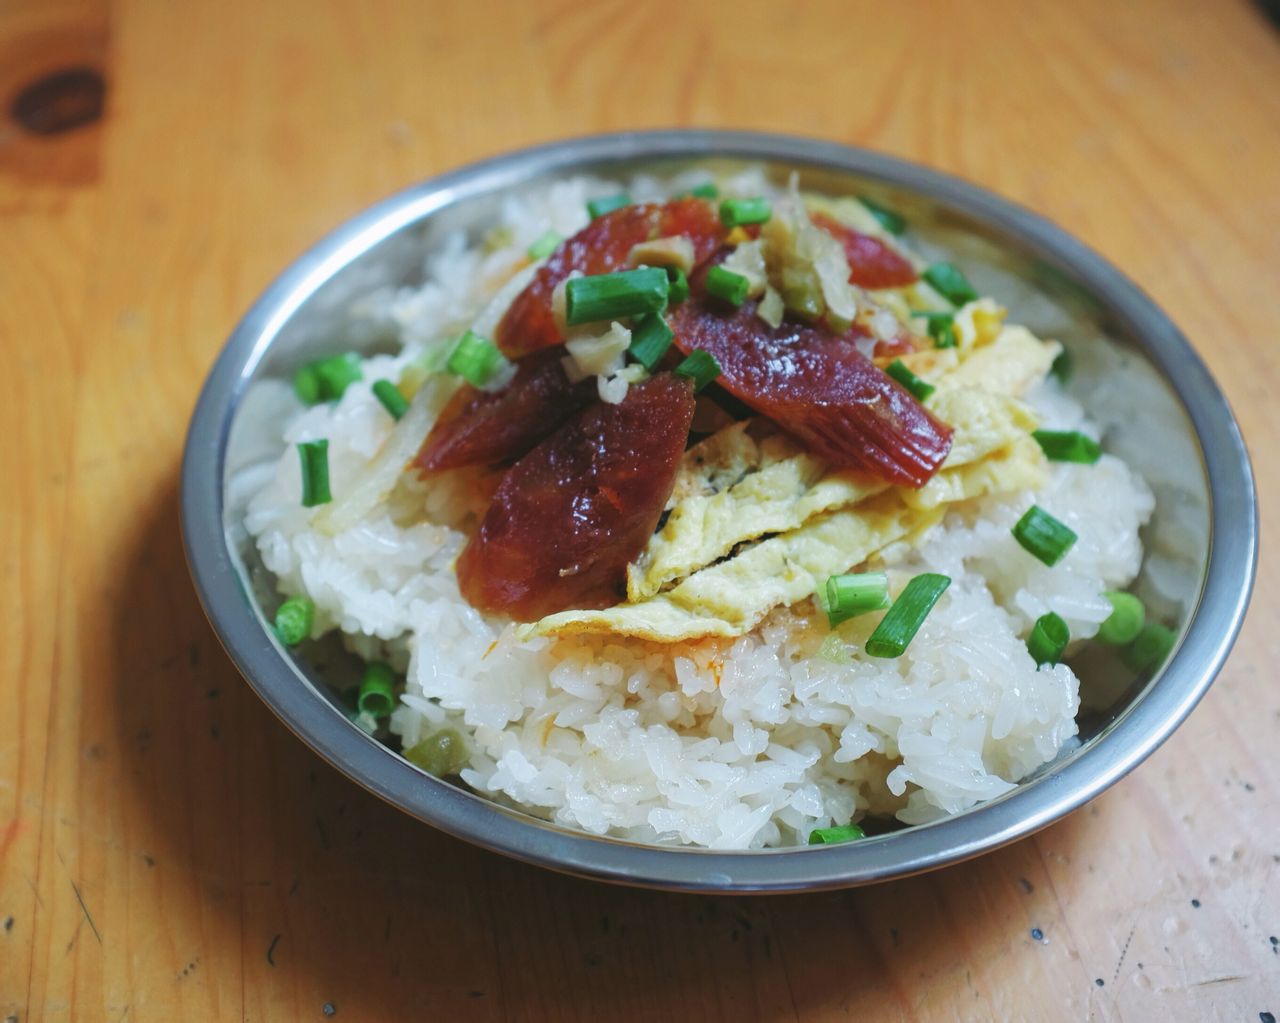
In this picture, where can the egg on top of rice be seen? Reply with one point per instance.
(705, 513)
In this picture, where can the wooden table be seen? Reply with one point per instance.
(169, 851)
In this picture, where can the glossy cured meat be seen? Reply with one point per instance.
(872, 263)
(479, 428)
(569, 516)
(602, 247)
(818, 387)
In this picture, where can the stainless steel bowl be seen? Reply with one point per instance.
(1175, 415)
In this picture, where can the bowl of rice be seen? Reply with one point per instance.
(805, 673)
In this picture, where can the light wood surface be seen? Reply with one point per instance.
(169, 852)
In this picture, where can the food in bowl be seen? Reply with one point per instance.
(704, 512)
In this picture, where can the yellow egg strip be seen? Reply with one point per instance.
(730, 598)
(788, 488)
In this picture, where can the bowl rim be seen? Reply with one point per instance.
(1167, 700)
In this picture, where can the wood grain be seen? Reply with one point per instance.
(168, 851)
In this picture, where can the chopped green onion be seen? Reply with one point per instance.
(949, 282)
(599, 207)
(546, 244)
(294, 619)
(700, 367)
(1068, 446)
(1063, 366)
(475, 359)
(1048, 639)
(740, 212)
(392, 400)
(677, 287)
(326, 379)
(442, 754)
(899, 626)
(650, 339)
(894, 223)
(314, 455)
(616, 296)
(377, 696)
(921, 389)
(727, 285)
(1041, 534)
(1151, 648)
(855, 593)
(707, 191)
(306, 385)
(839, 833)
(1125, 621)
(941, 327)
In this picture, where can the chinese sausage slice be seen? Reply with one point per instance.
(818, 386)
(572, 513)
(603, 246)
(483, 428)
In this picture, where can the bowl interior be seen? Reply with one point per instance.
(1120, 375)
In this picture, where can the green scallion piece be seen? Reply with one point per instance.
(1063, 366)
(941, 327)
(1042, 535)
(699, 366)
(1049, 637)
(740, 212)
(707, 191)
(442, 754)
(894, 223)
(855, 593)
(306, 385)
(949, 282)
(616, 296)
(920, 389)
(1068, 446)
(899, 626)
(377, 696)
(678, 285)
(314, 456)
(834, 835)
(475, 359)
(326, 379)
(1151, 648)
(546, 244)
(727, 285)
(392, 400)
(1126, 620)
(294, 619)
(599, 207)
(650, 339)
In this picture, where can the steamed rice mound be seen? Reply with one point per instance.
(728, 744)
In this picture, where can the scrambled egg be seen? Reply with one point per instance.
(778, 487)
(754, 524)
